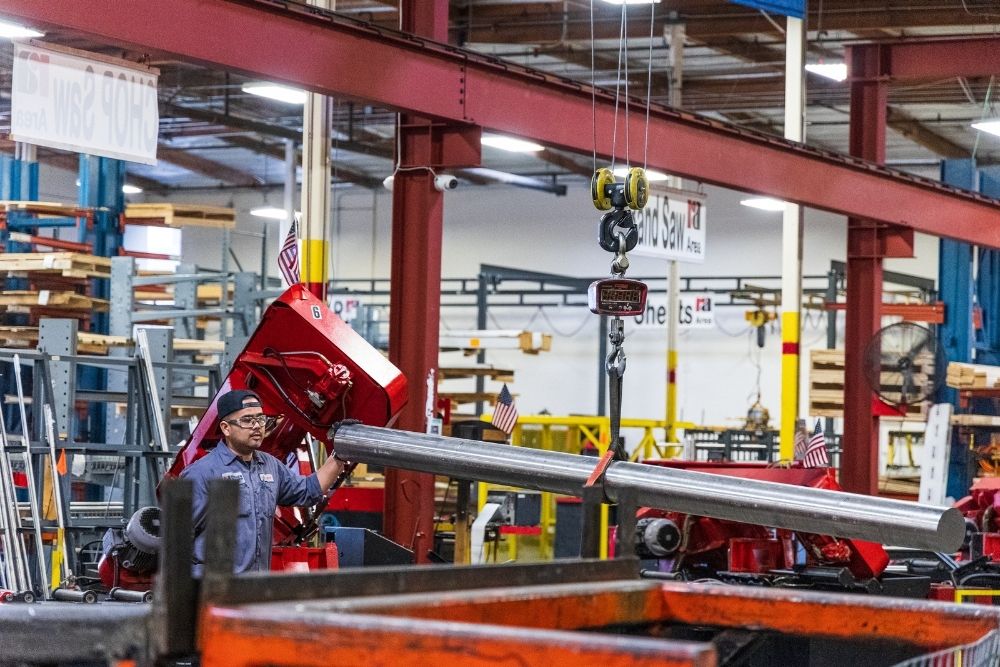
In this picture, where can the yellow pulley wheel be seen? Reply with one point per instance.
(636, 188)
(599, 188)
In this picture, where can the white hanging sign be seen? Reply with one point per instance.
(694, 311)
(83, 102)
(672, 225)
(346, 308)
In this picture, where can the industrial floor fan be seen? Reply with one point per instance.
(904, 364)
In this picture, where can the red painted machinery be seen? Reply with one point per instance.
(700, 546)
(311, 370)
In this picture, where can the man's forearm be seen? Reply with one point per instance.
(329, 471)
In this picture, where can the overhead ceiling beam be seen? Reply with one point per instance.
(71, 162)
(453, 85)
(914, 130)
(539, 23)
(200, 165)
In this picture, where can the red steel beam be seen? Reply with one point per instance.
(415, 298)
(865, 250)
(358, 61)
(942, 58)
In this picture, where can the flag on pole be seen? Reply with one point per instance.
(800, 443)
(505, 414)
(816, 454)
(288, 256)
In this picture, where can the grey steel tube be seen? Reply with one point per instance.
(892, 522)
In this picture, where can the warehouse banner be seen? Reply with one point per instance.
(83, 102)
(694, 311)
(672, 225)
(794, 8)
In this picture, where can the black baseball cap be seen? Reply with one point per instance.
(233, 401)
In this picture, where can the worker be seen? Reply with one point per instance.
(265, 482)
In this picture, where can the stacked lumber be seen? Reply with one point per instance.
(181, 215)
(94, 343)
(826, 386)
(471, 341)
(64, 264)
(476, 370)
(972, 376)
(47, 301)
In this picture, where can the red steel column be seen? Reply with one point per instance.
(415, 297)
(869, 94)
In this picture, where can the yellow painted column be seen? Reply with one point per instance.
(314, 265)
(789, 381)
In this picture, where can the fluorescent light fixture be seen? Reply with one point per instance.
(511, 144)
(274, 91)
(10, 30)
(835, 71)
(632, 2)
(988, 126)
(651, 174)
(764, 203)
(271, 212)
(131, 189)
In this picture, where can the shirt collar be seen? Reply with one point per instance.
(228, 456)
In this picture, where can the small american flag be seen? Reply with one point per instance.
(288, 257)
(505, 415)
(800, 443)
(816, 455)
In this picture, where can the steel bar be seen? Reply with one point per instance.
(8, 497)
(892, 522)
(35, 507)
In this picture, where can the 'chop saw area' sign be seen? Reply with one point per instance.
(68, 101)
(672, 226)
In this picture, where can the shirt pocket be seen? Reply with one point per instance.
(246, 500)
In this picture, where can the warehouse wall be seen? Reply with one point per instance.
(540, 232)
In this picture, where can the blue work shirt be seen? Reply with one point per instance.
(265, 483)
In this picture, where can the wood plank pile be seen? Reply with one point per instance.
(476, 370)
(65, 264)
(181, 215)
(826, 386)
(972, 376)
(94, 343)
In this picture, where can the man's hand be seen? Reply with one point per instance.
(329, 472)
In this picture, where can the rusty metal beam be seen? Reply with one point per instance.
(461, 86)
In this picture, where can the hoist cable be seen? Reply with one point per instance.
(649, 86)
(593, 84)
(624, 49)
(618, 89)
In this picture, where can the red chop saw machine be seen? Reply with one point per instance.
(311, 370)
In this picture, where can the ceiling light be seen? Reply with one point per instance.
(274, 91)
(632, 2)
(989, 126)
(511, 144)
(835, 71)
(131, 189)
(10, 30)
(272, 212)
(651, 174)
(764, 203)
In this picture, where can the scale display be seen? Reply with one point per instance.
(617, 296)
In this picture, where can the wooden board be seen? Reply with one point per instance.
(476, 370)
(94, 343)
(45, 209)
(181, 215)
(52, 300)
(67, 264)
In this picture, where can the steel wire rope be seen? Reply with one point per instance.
(649, 85)
(623, 48)
(618, 90)
(593, 84)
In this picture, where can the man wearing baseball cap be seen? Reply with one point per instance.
(265, 482)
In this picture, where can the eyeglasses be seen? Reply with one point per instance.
(252, 421)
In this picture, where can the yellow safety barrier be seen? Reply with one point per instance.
(572, 434)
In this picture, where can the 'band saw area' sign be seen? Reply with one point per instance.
(672, 225)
